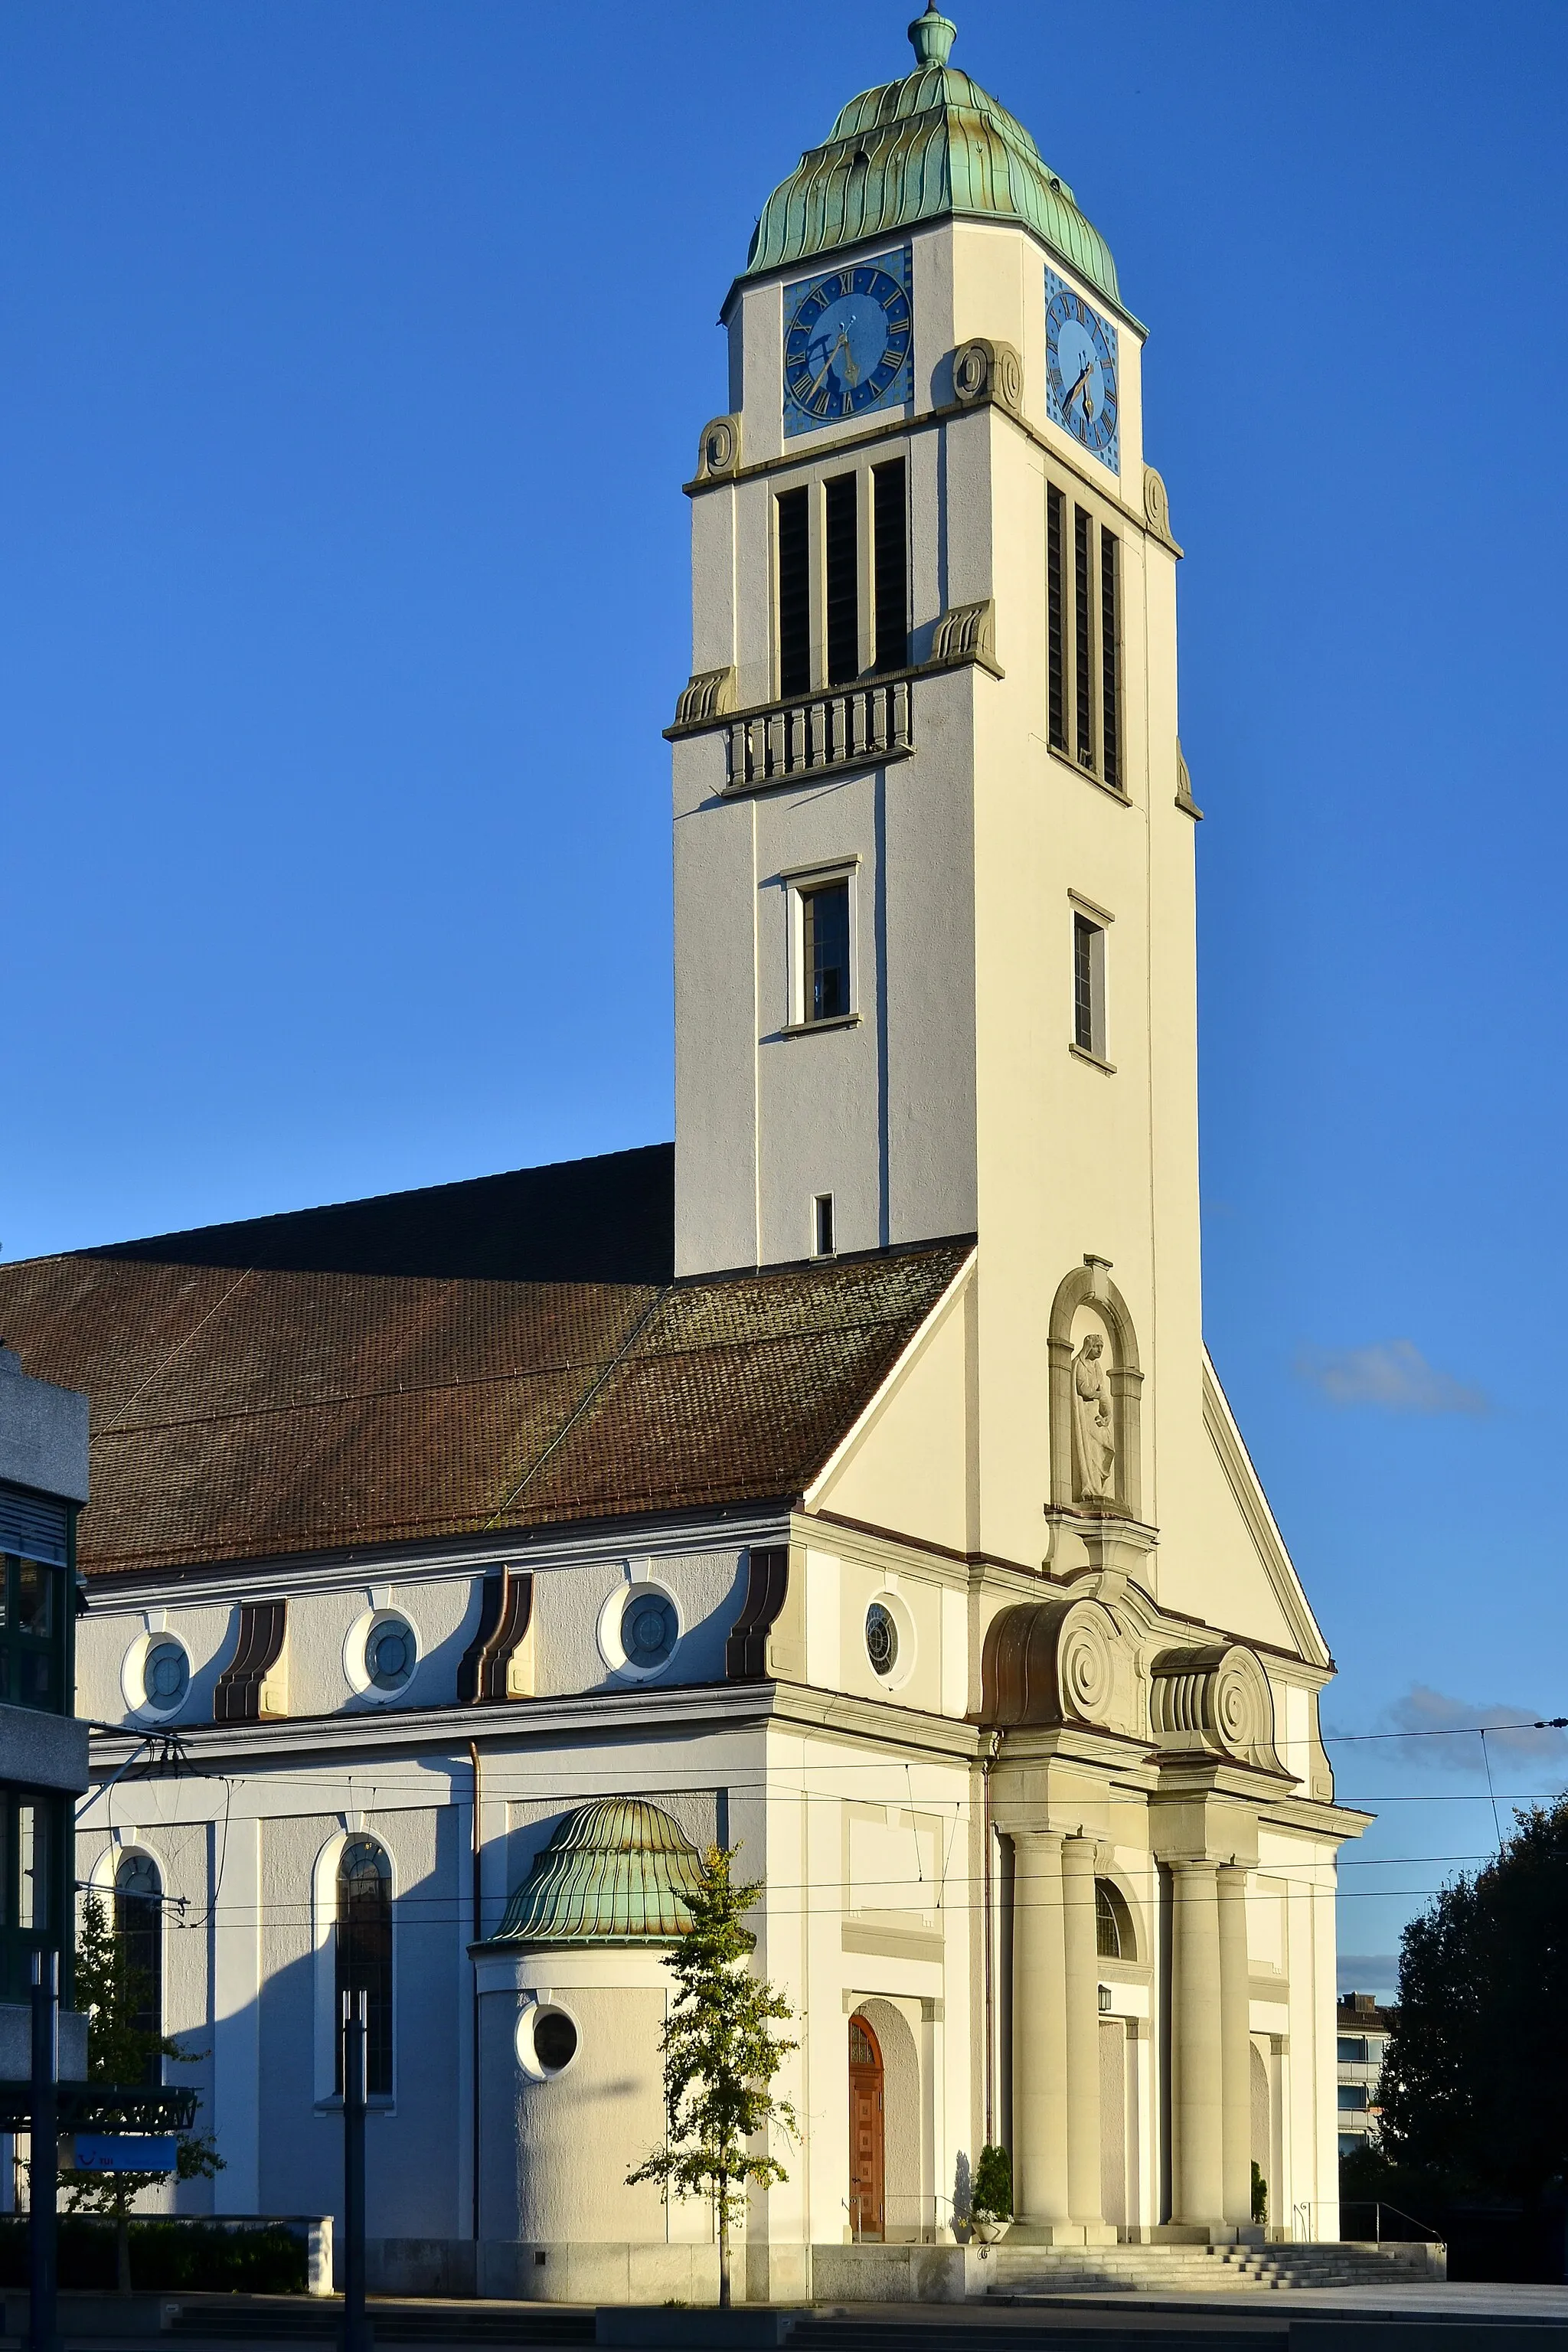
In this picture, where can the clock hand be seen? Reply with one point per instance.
(1084, 373)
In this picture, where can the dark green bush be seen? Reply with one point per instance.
(993, 2190)
(166, 2256)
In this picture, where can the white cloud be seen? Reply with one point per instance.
(1423, 1709)
(1392, 1374)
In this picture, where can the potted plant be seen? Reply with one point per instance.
(992, 2209)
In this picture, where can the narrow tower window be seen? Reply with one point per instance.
(843, 566)
(1089, 987)
(1109, 705)
(891, 565)
(1057, 709)
(822, 1225)
(824, 951)
(1083, 681)
(794, 591)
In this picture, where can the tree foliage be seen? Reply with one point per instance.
(719, 2060)
(119, 2050)
(1475, 2078)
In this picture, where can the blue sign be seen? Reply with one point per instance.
(125, 2152)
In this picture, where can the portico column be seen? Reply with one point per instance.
(1196, 2097)
(1040, 2031)
(1082, 2032)
(1235, 2053)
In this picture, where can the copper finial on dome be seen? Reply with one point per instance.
(933, 35)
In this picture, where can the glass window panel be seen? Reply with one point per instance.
(139, 1924)
(365, 1954)
(35, 1599)
(794, 591)
(891, 565)
(825, 923)
(32, 1867)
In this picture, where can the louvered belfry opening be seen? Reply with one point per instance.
(794, 591)
(890, 564)
(842, 533)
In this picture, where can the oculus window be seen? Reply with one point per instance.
(882, 1638)
(165, 1676)
(391, 1653)
(648, 1629)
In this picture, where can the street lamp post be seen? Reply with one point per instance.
(356, 2324)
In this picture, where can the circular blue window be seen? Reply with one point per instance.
(390, 1653)
(649, 1630)
(165, 1676)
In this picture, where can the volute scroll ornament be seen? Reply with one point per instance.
(967, 632)
(1157, 509)
(1056, 1662)
(707, 694)
(1216, 1700)
(985, 372)
(719, 448)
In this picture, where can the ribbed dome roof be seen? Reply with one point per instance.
(616, 1871)
(930, 145)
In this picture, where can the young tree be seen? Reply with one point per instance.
(121, 2052)
(720, 2059)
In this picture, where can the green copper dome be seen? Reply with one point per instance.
(618, 1872)
(932, 145)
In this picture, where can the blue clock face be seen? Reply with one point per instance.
(847, 343)
(1080, 372)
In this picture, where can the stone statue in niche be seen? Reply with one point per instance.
(1093, 1427)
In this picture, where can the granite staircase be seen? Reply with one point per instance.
(1036, 2273)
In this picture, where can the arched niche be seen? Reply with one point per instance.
(1096, 1388)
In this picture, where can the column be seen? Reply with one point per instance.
(1236, 2045)
(1082, 1972)
(1197, 2188)
(1040, 2032)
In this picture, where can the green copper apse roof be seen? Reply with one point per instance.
(917, 150)
(618, 1872)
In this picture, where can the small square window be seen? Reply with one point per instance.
(1089, 986)
(822, 1225)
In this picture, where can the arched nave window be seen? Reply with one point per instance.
(139, 1925)
(363, 1935)
(1112, 1924)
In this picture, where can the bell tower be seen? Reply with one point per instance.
(935, 952)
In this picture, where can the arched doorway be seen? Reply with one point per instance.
(867, 2153)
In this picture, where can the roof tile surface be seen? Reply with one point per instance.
(245, 1412)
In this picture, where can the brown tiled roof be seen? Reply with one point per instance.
(242, 1414)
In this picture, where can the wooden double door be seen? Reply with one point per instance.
(867, 2147)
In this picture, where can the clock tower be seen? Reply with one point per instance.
(935, 964)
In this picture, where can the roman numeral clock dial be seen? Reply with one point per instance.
(847, 340)
(1081, 388)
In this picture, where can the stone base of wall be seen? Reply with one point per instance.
(512, 2269)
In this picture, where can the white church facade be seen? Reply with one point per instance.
(851, 1485)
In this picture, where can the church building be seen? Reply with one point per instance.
(847, 1483)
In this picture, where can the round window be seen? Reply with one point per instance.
(165, 1676)
(649, 1630)
(882, 1638)
(390, 1653)
(554, 2040)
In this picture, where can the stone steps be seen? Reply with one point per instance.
(1027, 2272)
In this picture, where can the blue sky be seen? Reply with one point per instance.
(339, 613)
